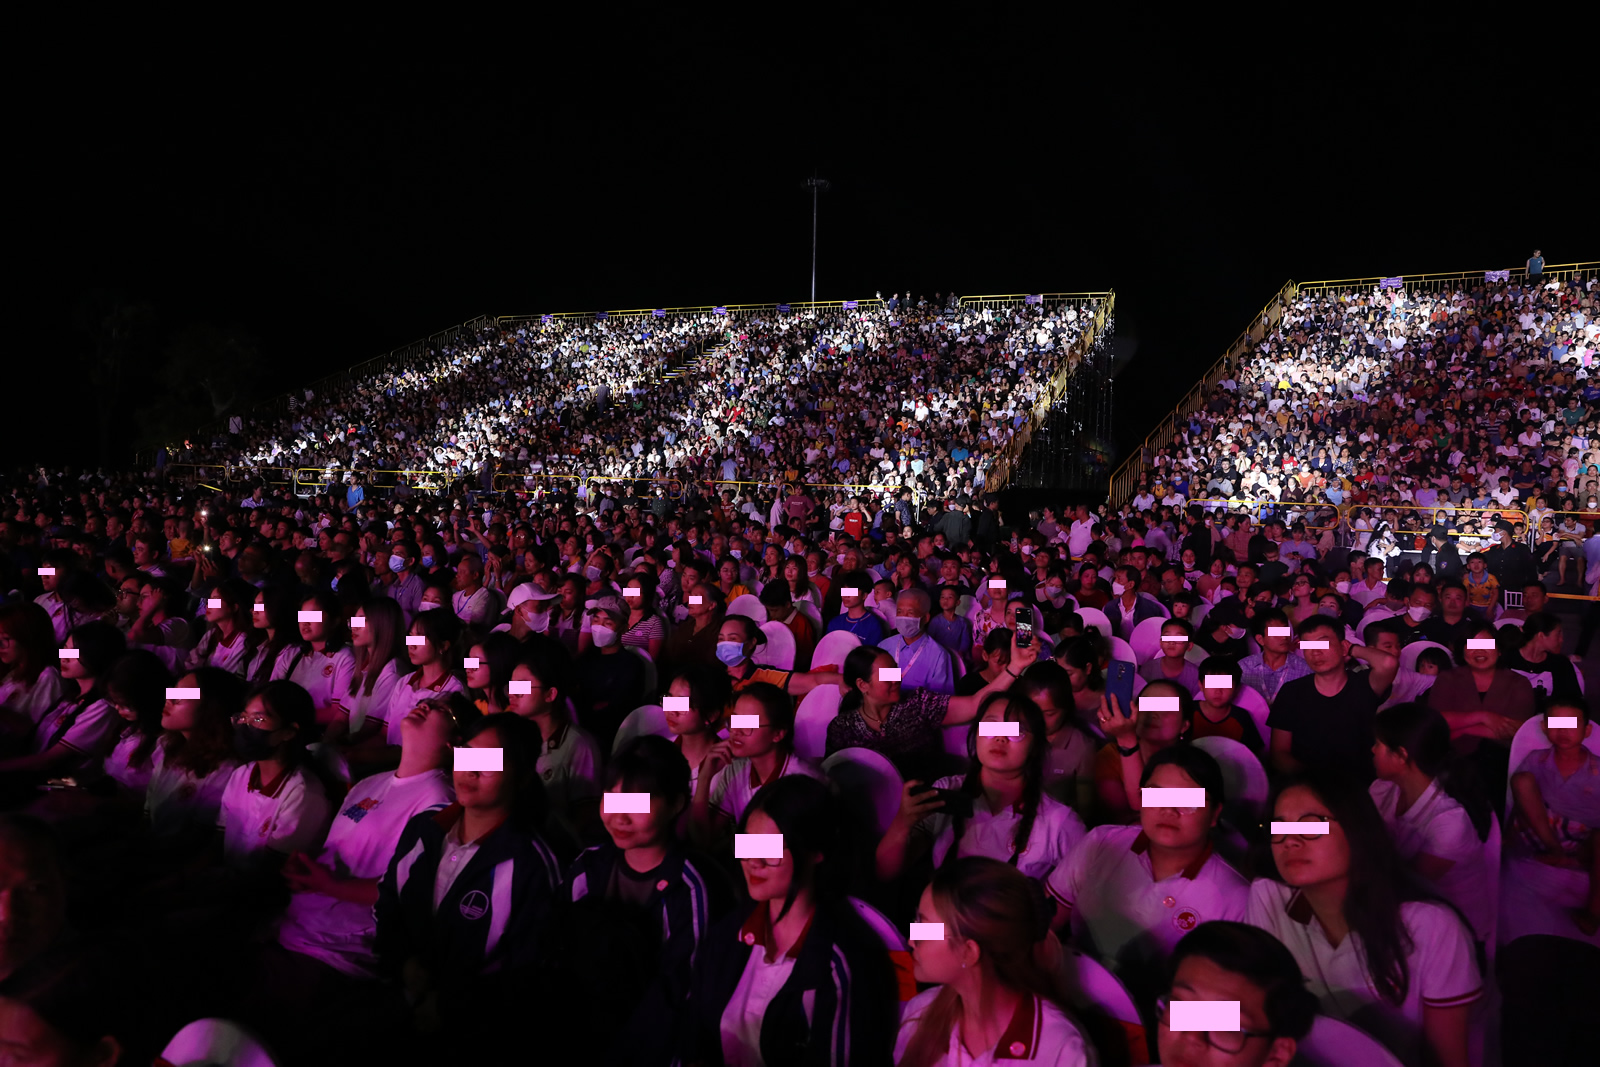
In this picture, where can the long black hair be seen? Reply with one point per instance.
(139, 681)
(858, 668)
(1424, 735)
(520, 747)
(1377, 883)
(807, 815)
(1022, 709)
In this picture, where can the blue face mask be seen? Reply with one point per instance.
(427, 561)
(397, 563)
(730, 652)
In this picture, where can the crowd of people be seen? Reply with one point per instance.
(785, 773)
(775, 396)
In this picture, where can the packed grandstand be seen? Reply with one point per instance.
(672, 688)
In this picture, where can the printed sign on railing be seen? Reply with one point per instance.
(719, 311)
(659, 313)
(1497, 276)
(783, 307)
(1392, 283)
(851, 305)
(1038, 299)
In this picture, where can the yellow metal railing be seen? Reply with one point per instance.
(1125, 479)
(326, 477)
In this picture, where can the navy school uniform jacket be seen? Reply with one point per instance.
(490, 922)
(624, 971)
(839, 1008)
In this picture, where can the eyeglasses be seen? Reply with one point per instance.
(1230, 1042)
(1278, 839)
(258, 720)
(442, 709)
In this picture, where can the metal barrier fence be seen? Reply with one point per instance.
(1125, 479)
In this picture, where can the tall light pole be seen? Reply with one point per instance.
(816, 185)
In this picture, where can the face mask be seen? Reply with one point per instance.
(427, 561)
(840, 559)
(397, 563)
(252, 743)
(427, 605)
(811, 572)
(1027, 550)
(592, 573)
(1235, 633)
(1341, 587)
(1329, 610)
(736, 553)
(908, 628)
(1117, 589)
(694, 541)
(539, 622)
(1420, 614)
(1054, 592)
(604, 636)
(730, 653)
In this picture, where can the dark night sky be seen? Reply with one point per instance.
(340, 200)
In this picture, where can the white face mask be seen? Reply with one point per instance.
(1341, 587)
(1419, 614)
(1117, 589)
(603, 636)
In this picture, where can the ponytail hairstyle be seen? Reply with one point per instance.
(1377, 884)
(386, 623)
(1007, 914)
(808, 816)
(1018, 709)
(857, 668)
(1424, 736)
(138, 681)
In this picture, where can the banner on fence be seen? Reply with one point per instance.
(1392, 283)
(851, 305)
(1037, 299)
(546, 318)
(719, 311)
(659, 313)
(783, 307)
(1497, 276)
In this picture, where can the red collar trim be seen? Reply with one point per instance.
(757, 930)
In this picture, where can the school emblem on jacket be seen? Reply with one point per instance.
(1186, 919)
(475, 905)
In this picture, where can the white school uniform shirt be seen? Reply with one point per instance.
(119, 765)
(1056, 831)
(359, 844)
(280, 663)
(1438, 825)
(1039, 1032)
(227, 657)
(452, 861)
(60, 618)
(1126, 918)
(291, 818)
(33, 700)
(324, 675)
(569, 766)
(1443, 965)
(747, 1008)
(408, 693)
(361, 703)
(1363, 594)
(735, 785)
(176, 800)
(87, 730)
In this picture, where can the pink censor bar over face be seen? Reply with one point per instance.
(520, 689)
(470, 664)
(1178, 638)
(183, 694)
(997, 583)
(758, 846)
(214, 604)
(630, 592)
(43, 571)
(480, 759)
(69, 653)
(1204, 1015)
(1480, 644)
(1219, 681)
(695, 599)
(359, 622)
(675, 704)
(1299, 827)
(1323, 645)
(1159, 704)
(999, 729)
(850, 591)
(1554, 722)
(926, 932)
(311, 616)
(888, 674)
(416, 639)
(1280, 631)
(745, 722)
(626, 804)
(1151, 797)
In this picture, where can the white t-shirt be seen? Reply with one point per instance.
(360, 704)
(408, 693)
(1438, 825)
(230, 657)
(360, 844)
(119, 765)
(177, 800)
(1363, 594)
(323, 675)
(280, 663)
(1126, 918)
(291, 818)
(1442, 965)
(1039, 1032)
(735, 784)
(33, 700)
(1056, 830)
(87, 730)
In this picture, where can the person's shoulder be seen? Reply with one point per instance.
(1269, 895)
(1111, 837)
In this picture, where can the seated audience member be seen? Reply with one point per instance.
(326, 661)
(1232, 961)
(992, 656)
(570, 761)
(1069, 749)
(905, 726)
(1274, 662)
(1130, 892)
(924, 662)
(1376, 954)
(137, 691)
(378, 650)
(1325, 720)
(854, 614)
(795, 974)
(1430, 801)
(1218, 714)
(274, 804)
(1135, 737)
(1485, 701)
(632, 916)
(695, 729)
(1552, 878)
(78, 732)
(998, 808)
(226, 643)
(464, 904)
(1540, 658)
(70, 1009)
(994, 997)
(610, 677)
(432, 672)
(30, 683)
(1170, 664)
(34, 886)
(194, 759)
(754, 755)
